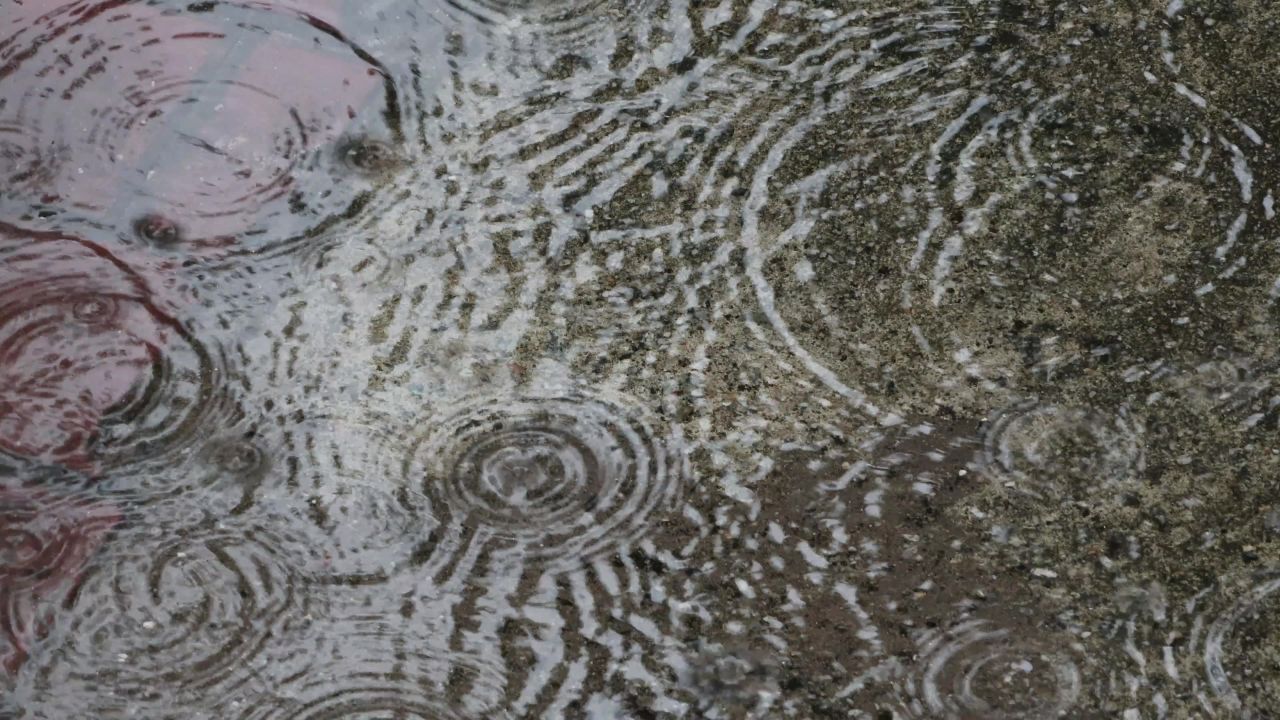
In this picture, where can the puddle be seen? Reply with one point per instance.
(594, 359)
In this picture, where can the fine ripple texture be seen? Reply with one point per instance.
(46, 540)
(561, 481)
(977, 669)
(365, 667)
(337, 480)
(1235, 626)
(658, 359)
(163, 122)
(174, 612)
(98, 367)
(932, 238)
(1053, 450)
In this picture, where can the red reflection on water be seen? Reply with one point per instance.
(186, 125)
(81, 330)
(45, 542)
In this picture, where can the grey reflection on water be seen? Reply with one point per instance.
(585, 358)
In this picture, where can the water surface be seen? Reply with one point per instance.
(659, 359)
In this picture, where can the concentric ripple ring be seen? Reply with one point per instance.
(566, 479)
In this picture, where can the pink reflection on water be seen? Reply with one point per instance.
(81, 330)
(45, 543)
(186, 129)
(211, 119)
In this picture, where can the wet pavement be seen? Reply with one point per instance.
(428, 359)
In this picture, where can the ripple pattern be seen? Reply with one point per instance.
(733, 684)
(28, 165)
(365, 702)
(1235, 648)
(46, 541)
(1062, 451)
(977, 669)
(97, 368)
(553, 37)
(181, 612)
(486, 358)
(564, 479)
(942, 173)
(162, 120)
(1227, 385)
(367, 667)
(337, 482)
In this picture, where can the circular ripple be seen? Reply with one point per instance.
(375, 691)
(45, 543)
(918, 209)
(43, 537)
(369, 531)
(564, 479)
(98, 370)
(237, 456)
(157, 230)
(1061, 451)
(189, 609)
(210, 117)
(221, 476)
(732, 682)
(977, 669)
(368, 156)
(221, 179)
(1238, 657)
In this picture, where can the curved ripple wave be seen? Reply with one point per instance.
(219, 119)
(563, 480)
(333, 481)
(1061, 451)
(370, 666)
(979, 669)
(98, 369)
(929, 179)
(1234, 645)
(46, 541)
(181, 612)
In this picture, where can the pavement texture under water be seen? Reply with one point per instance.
(431, 359)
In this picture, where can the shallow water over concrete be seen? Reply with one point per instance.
(659, 359)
